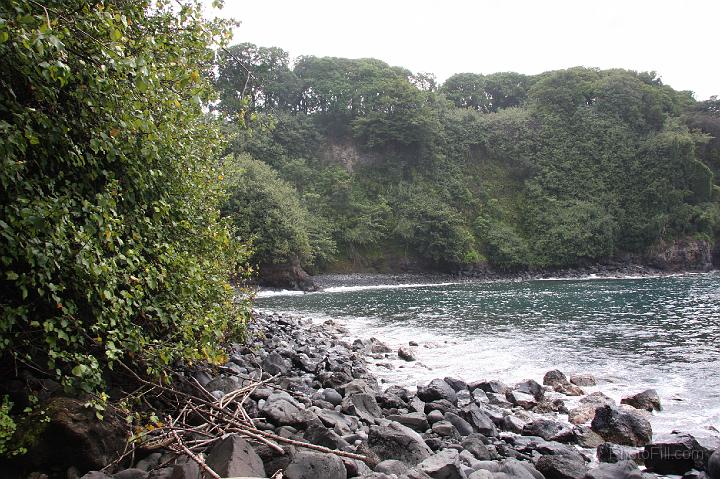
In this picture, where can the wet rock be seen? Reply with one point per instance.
(388, 400)
(306, 464)
(457, 384)
(442, 405)
(477, 448)
(524, 400)
(586, 409)
(496, 387)
(414, 420)
(332, 396)
(543, 428)
(357, 386)
(435, 416)
(520, 470)
(587, 438)
(89, 475)
(559, 382)
(531, 387)
(479, 419)
(341, 423)
(481, 474)
(224, 384)
(131, 474)
(561, 467)
(234, 457)
(443, 465)
(274, 363)
(513, 424)
(437, 389)
(395, 441)
(363, 406)
(713, 467)
(620, 470)
(391, 466)
(416, 404)
(463, 427)
(623, 427)
(355, 468)
(74, 432)
(406, 354)
(283, 410)
(546, 406)
(333, 379)
(378, 347)
(444, 428)
(479, 396)
(501, 400)
(552, 448)
(609, 452)
(583, 380)
(648, 400)
(322, 436)
(679, 453)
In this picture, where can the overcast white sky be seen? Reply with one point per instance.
(677, 39)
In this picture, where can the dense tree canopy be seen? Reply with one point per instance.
(552, 170)
(112, 245)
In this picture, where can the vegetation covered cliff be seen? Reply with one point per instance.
(368, 166)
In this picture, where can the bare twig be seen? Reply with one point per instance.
(194, 456)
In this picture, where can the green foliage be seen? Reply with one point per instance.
(112, 244)
(267, 211)
(552, 170)
(7, 430)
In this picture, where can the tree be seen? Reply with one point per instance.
(267, 211)
(112, 244)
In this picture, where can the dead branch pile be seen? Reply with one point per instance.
(202, 420)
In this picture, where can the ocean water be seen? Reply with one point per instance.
(630, 333)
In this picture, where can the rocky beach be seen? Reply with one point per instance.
(321, 391)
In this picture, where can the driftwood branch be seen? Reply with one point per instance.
(203, 420)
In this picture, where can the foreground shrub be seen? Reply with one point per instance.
(112, 247)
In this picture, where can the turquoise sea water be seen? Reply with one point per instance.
(631, 334)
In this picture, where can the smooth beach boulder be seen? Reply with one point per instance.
(713, 467)
(561, 467)
(648, 400)
(621, 426)
(437, 389)
(235, 457)
(306, 464)
(532, 387)
(443, 465)
(620, 470)
(585, 411)
(583, 380)
(680, 453)
(406, 353)
(395, 441)
(559, 382)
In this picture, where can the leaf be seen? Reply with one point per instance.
(115, 35)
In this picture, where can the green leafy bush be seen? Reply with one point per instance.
(112, 243)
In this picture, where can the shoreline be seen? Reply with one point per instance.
(514, 420)
(330, 418)
(344, 281)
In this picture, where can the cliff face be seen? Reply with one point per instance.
(286, 276)
(684, 255)
(716, 255)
